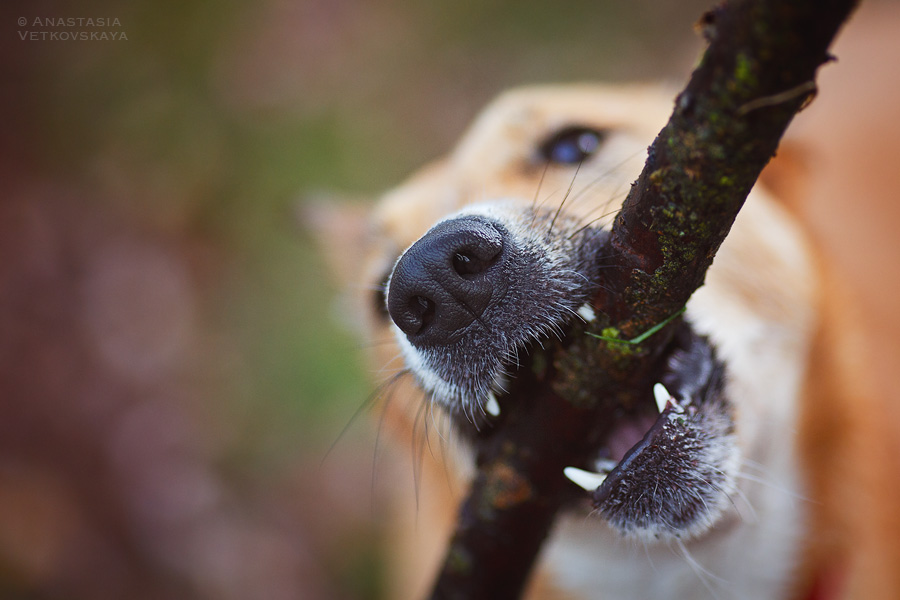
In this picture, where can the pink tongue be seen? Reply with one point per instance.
(627, 434)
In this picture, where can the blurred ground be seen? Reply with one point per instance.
(173, 368)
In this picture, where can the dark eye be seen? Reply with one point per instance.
(571, 145)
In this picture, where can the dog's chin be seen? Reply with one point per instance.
(465, 392)
(466, 377)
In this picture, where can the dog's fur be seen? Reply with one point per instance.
(788, 429)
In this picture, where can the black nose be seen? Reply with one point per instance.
(447, 279)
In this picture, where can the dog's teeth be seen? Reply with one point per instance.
(585, 479)
(492, 406)
(587, 312)
(605, 464)
(662, 396)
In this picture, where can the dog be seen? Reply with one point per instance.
(490, 251)
(483, 255)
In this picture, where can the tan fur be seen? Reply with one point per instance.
(843, 186)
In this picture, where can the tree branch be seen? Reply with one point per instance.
(757, 72)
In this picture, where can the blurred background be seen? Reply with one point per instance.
(173, 365)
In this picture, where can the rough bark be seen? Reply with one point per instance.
(757, 72)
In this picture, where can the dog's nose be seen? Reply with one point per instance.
(447, 279)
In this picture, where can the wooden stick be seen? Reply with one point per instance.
(758, 71)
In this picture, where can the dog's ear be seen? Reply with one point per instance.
(339, 226)
(340, 230)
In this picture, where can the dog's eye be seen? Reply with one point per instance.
(571, 145)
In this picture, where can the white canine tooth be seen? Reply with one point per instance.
(585, 479)
(605, 464)
(492, 406)
(662, 396)
(587, 312)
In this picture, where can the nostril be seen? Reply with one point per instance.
(476, 251)
(421, 313)
(414, 314)
(467, 265)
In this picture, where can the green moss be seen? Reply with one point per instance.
(745, 71)
(620, 350)
(611, 332)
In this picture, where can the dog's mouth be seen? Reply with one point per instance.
(477, 291)
(669, 472)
